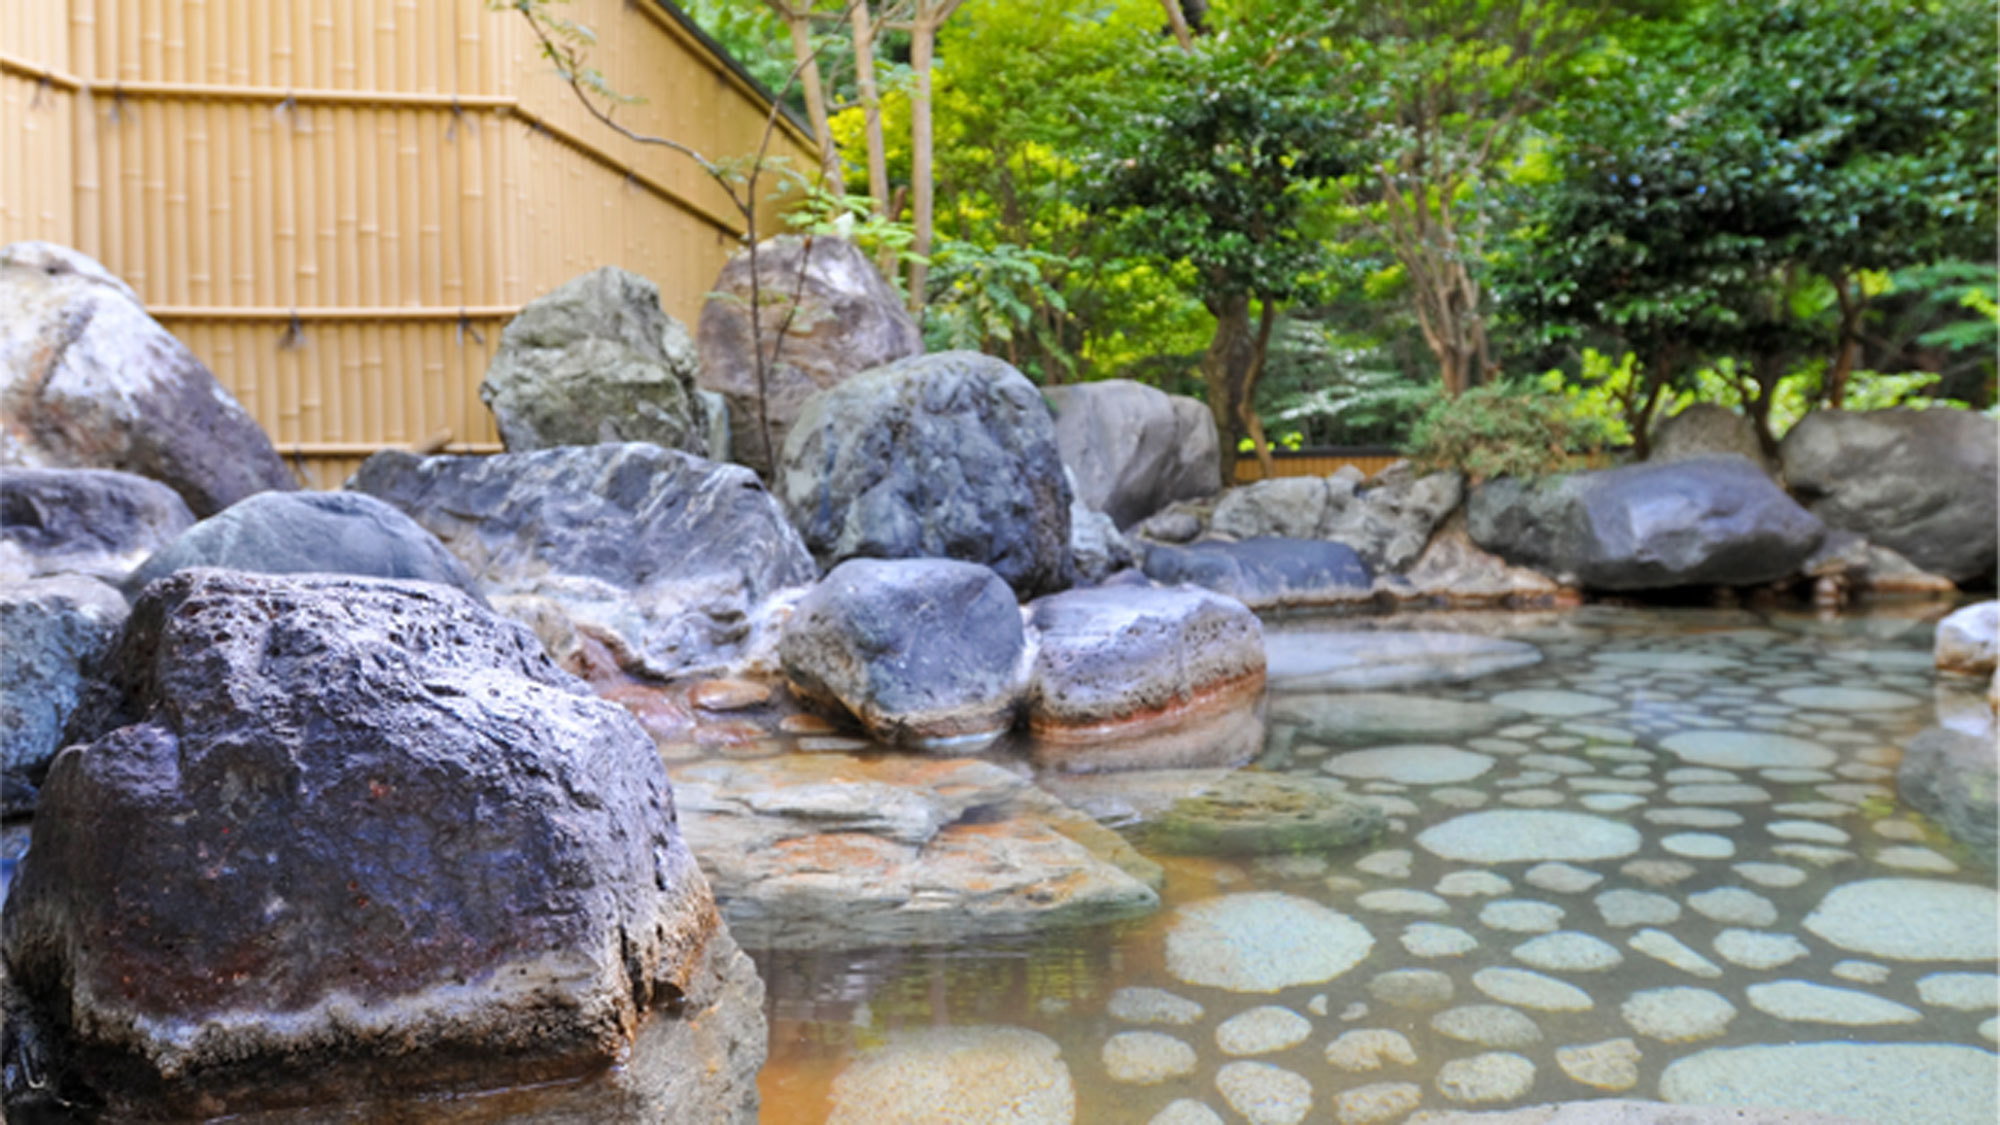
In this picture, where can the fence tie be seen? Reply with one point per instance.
(465, 329)
(457, 116)
(294, 335)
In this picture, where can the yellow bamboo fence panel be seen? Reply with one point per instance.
(338, 204)
(1316, 463)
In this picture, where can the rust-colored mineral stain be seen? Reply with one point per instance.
(728, 695)
(1216, 699)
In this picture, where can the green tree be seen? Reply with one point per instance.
(1222, 164)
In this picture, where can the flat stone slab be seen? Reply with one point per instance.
(1748, 750)
(1263, 942)
(956, 1074)
(1881, 1083)
(1363, 719)
(1805, 1002)
(1910, 920)
(1409, 765)
(1351, 661)
(1511, 836)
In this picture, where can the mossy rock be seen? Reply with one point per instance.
(1265, 814)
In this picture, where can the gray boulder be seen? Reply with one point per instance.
(1951, 776)
(944, 456)
(1387, 523)
(1920, 482)
(310, 533)
(57, 632)
(835, 851)
(663, 557)
(1095, 545)
(839, 319)
(1135, 449)
(1144, 678)
(1267, 573)
(595, 360)
(924, 652)
(97, 522)
(1712, 521)
(1704, 429)
(1454, 571)
(89, 381)
(367, 838)
(1968, 641)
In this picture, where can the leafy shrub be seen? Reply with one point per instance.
(1504, 429)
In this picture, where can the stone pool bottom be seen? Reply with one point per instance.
(1667, 861)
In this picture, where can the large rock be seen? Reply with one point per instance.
(1968, 641)
(1920, 482)
(1704, 429)
(943, 456)
(1454, 571)
(843, 319)
(661, 556)
(596, 360)
(96, 522)
(925, 652)
(57, 632)
(1135, 449)
(367, 837)
(1709, 521)
(1267, 573)
(310, 533)
(1387, 522)
(1952, 776)
(1128, 677)
(833, 851)
(89, 381)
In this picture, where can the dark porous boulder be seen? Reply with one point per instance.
(949, 456)
(1135, 449)
(838, 316)
(97, 522)
(595, 360)
(364, 838)
(667, 559)
(1919, 482)
(1129, 677)
(1712, 521)
(89, 381)
(310, 533)
(924, 652)
(1950, 775)
(54, 635)
(1704, 429)
(1267, 573)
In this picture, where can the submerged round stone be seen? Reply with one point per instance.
(1431, 940)
(1524, 989)
(1556, 704)
(1350, 660)
(1488, 1025)
(1678, 1015)
(1848, 699)
(1263, 942)
(1493, 1077)
(1265, 1094)
(1262, 1031)
(1805, 1002)
(956, 1074)
(1754, 949)
(1910, 920)
(1569, 952)
(1409, 765)
(1748, 750)
(1526, 835)
(1145, 1058)
(1139, 1004)
(1883, 1083)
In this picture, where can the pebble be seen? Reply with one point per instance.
(1469, 884)
(1186, 1111)
(1508, 836)
(1487, 1025)
(1562, 878)
(1665, 947)
(1910, 920)
(955, 1074)
(1262, 942)
(1506, 747)
(1611, 802)
(1915, 859)
(1612, 1065)
(1717, 795)
(1658, 872)
(1816, 854)
(1430, 940)
(1699, 775)
(1262, 1031)
(1678, 1015)
(1376, 1104)
(1963, 992)
(1754, 950)
(1521, 916)
(1806, 1002)
(1770, 874)
(1410, 765)
(1898, 830)
(1264, 1094)
(1848, 699)
(1695, 818)
(1557, 763)
(1146, 1058)
(1403, 902)
(1453, 797)
(1524, 989)
(1826, 810)
(1369, 1048)
(1748, 750)
(1418, 989)
(1533, 798)
(1392, 864)
(1492, 1077)
(1624, 907)
(1861, 972)
(1153, 1006)
(1734, 906)
(728, 695)
(1569, 952)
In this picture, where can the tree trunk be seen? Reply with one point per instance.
(799, 20)
(1177, 20)
(923, 37)
(1849, 343)
(1225, 371)
(871, 110)
(1768, 370)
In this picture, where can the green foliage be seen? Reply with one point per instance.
(1969, 295)
(1326, 386)
(1504, 429)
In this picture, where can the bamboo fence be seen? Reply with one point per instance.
(338, 204)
